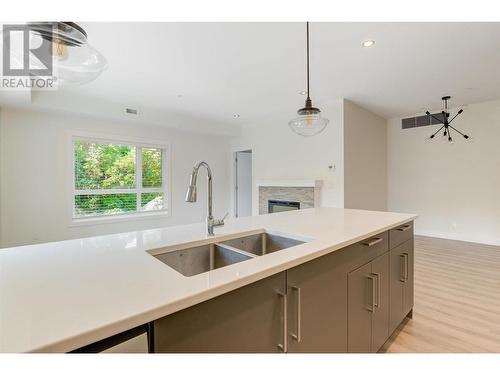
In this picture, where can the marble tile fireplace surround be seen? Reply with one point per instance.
(304, 192)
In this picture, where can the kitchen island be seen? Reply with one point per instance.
(62, 296)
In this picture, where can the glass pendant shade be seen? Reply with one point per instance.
(75, 62)
(79, 65)
(309, 122)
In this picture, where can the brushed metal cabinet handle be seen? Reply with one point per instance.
(283, 346)
(373, 242)
(406, 266)
(403, 276)
(298, 335)
(404, 228)
(377, 276)
(402, 262)
(371, 306)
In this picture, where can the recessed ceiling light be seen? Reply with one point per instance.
(303, 92)
(368, 43)
(236, 115)
(179, 96)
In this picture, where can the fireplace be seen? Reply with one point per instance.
(285, 195)
(279, 206)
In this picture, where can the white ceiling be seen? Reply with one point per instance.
(257, 69)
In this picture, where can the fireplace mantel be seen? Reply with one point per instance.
(291, 183)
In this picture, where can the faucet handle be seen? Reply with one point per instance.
(220, 222)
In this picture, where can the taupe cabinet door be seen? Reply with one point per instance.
(249, 319)
(317, 306)
(401, 283)
(380, 318)
(409, 284)
(368, 306)
(360, 306)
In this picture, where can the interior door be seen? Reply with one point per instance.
(243, 187)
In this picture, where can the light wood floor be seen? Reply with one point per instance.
(457, 299)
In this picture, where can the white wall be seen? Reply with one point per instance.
(365, 159)
(280, 154)
(35, 170)
(0, 178)
(455, 189)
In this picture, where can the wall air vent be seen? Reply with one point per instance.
(416, 122)
(131, 111)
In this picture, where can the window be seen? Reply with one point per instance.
(117, 178)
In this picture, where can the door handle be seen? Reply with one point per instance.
(283, 346)
(298, 336)
(377, 288)
(404, 266)
(404, 228)
(371, 306)
(373, 242)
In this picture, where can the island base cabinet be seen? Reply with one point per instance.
(368, 306)
(401, 283)
(317, 306)
(246, 320)
(350, 300)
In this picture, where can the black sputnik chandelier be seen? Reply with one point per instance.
(446, 121)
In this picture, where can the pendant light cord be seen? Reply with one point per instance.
(307, 37)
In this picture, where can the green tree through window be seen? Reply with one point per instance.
(105, 178)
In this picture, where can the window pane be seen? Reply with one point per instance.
(107, 204)
(104, 166)
(152, 201)
(151, 167)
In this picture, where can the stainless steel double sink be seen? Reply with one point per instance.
(193, 260)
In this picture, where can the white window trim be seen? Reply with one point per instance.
(140, 143)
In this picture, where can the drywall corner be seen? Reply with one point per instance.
(365, 158)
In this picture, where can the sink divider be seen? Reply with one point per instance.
(264, 243)
(212, 256)
(236, 250)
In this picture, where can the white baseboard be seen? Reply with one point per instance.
(459, 237)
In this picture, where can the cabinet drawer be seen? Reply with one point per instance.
(376, 245)
(364, 251)
(400, 234)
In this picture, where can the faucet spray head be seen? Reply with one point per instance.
(191, 190)
(191, 194)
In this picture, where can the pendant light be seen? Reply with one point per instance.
(309, 122)
(75, 61)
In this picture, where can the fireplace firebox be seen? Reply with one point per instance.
(279, 206)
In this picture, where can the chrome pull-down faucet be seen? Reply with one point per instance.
(191, 196)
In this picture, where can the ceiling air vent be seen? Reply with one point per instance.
(131, 111)
(415, 122)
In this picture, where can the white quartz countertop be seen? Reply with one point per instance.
(59, 296)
